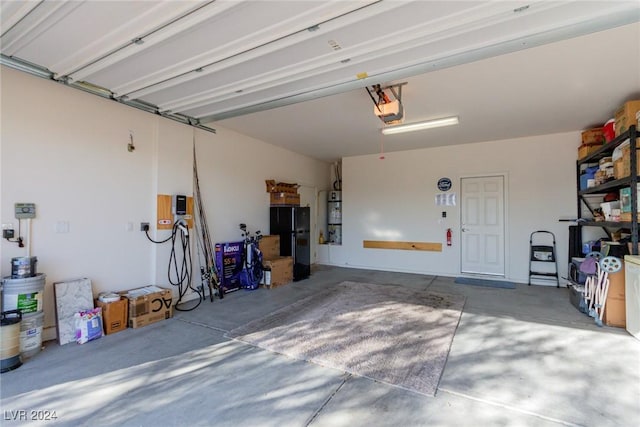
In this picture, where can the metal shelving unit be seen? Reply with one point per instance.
(630, 181)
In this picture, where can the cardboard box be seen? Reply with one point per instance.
(280, 187)
(626, 116)
(615, 313)
(148, 305)
(285, 199)
(584, 150)
(281, 270)
(228, 259)
(625, 217)
(115, 315)
(622, 165)
(615, 307)
(616, 284)
(140, 321)
(600, 177)
(593, 136)
(270, 246)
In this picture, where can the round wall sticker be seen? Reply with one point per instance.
(444, 184)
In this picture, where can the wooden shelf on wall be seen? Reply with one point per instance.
(407, 246)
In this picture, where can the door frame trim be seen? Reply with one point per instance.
(507, 239)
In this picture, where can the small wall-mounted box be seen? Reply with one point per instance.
(25, 210)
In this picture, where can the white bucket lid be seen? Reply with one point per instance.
(108, 297)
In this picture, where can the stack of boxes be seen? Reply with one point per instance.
(616, 167)
(622, 160)
(626, 116)
(592, 140)
(147, 305)
(605, 171)
(278, 269)
(135, 308)
(282, 193)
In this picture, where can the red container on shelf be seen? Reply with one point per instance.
(609, 130)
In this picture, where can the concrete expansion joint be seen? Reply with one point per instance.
(510, 408)
(204, 325)
(326, 402)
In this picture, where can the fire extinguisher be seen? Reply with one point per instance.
(448, 237)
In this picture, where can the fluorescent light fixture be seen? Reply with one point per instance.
(428, 124)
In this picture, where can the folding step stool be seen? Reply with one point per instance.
(543, 252)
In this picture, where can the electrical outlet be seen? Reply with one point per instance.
(144, 226)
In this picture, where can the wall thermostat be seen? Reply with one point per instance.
(25, 210)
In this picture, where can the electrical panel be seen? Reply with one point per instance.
(25, 210)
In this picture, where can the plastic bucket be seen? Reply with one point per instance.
(23, 267)
(608, 130)
(10, 340)
(31, 334)
(23, 294)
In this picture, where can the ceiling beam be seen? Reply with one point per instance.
(255, 45)
(123, 34)
(156, 32)
(38, 20)
(616, 19)
(379, 44)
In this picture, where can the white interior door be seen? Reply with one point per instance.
(482, 225)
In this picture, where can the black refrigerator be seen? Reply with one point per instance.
(293, 225)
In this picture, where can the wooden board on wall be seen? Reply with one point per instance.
(165, 218)
(409, 246)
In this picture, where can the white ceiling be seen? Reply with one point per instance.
(561, 87)
(293, 73)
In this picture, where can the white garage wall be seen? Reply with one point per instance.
(393, 199)
(232, 180)
(66, 151)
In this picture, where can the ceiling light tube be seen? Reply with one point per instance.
(428, 124)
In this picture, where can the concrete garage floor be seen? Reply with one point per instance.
(522, 357)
